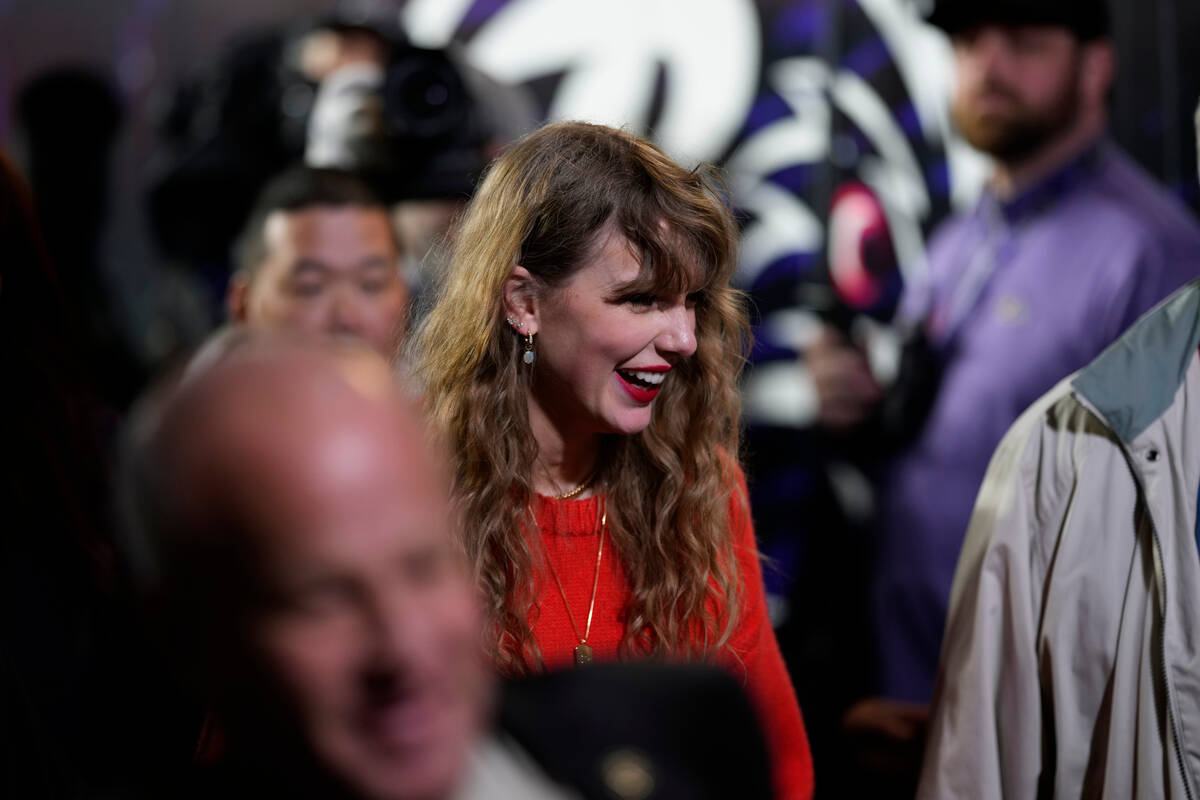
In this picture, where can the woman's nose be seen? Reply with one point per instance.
(679, 331)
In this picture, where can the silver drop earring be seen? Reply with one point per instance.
(529, 355)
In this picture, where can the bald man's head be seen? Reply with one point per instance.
(298, 532)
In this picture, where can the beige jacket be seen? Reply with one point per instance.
(1071, 663)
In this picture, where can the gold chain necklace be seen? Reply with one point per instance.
(583, 652)
(567, 495)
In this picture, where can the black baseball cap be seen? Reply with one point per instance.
(1087, 19)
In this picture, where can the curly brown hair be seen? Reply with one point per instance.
(543, 205)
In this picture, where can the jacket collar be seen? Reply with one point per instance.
(1136, 378)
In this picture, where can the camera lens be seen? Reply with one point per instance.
(424, 96)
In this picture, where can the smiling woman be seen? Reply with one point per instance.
(582, 361)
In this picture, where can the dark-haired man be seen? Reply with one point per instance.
(320, 255)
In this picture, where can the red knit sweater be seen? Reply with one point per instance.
(569, 530)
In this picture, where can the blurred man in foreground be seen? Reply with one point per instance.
(296, 536)
(293, 534)
(319, 255)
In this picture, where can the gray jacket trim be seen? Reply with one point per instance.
(1130, 390)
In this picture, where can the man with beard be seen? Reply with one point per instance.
(1068, 245)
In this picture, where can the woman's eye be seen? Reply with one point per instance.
(644, 300)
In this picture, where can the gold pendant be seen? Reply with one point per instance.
(583, 655)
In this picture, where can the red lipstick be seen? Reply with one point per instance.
(636, 390)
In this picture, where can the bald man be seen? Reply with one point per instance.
(291, 527)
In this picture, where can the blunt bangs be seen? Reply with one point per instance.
(681, 240)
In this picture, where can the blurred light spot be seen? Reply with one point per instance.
(628, 775)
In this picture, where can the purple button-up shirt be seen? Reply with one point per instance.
(1021, 294)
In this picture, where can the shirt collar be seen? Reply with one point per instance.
(1035, 198)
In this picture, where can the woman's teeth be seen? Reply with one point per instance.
(647, 378)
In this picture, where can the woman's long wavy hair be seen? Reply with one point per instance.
(543, 205)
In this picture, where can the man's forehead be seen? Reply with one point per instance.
(344, 533)
(312, 226)
(253, 368)
(343, 432)
(350, 516)
(277, 399)
(302, 461)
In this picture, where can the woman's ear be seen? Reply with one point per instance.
(520, 301)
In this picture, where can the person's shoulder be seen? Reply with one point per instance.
(689, 729)
(1029, 486)
(1126, 200)
(950, 229)
(1060, 413)
(1037, 456)
(1137, 377)
(735, 476)
(739, 515)
(1057, 414)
